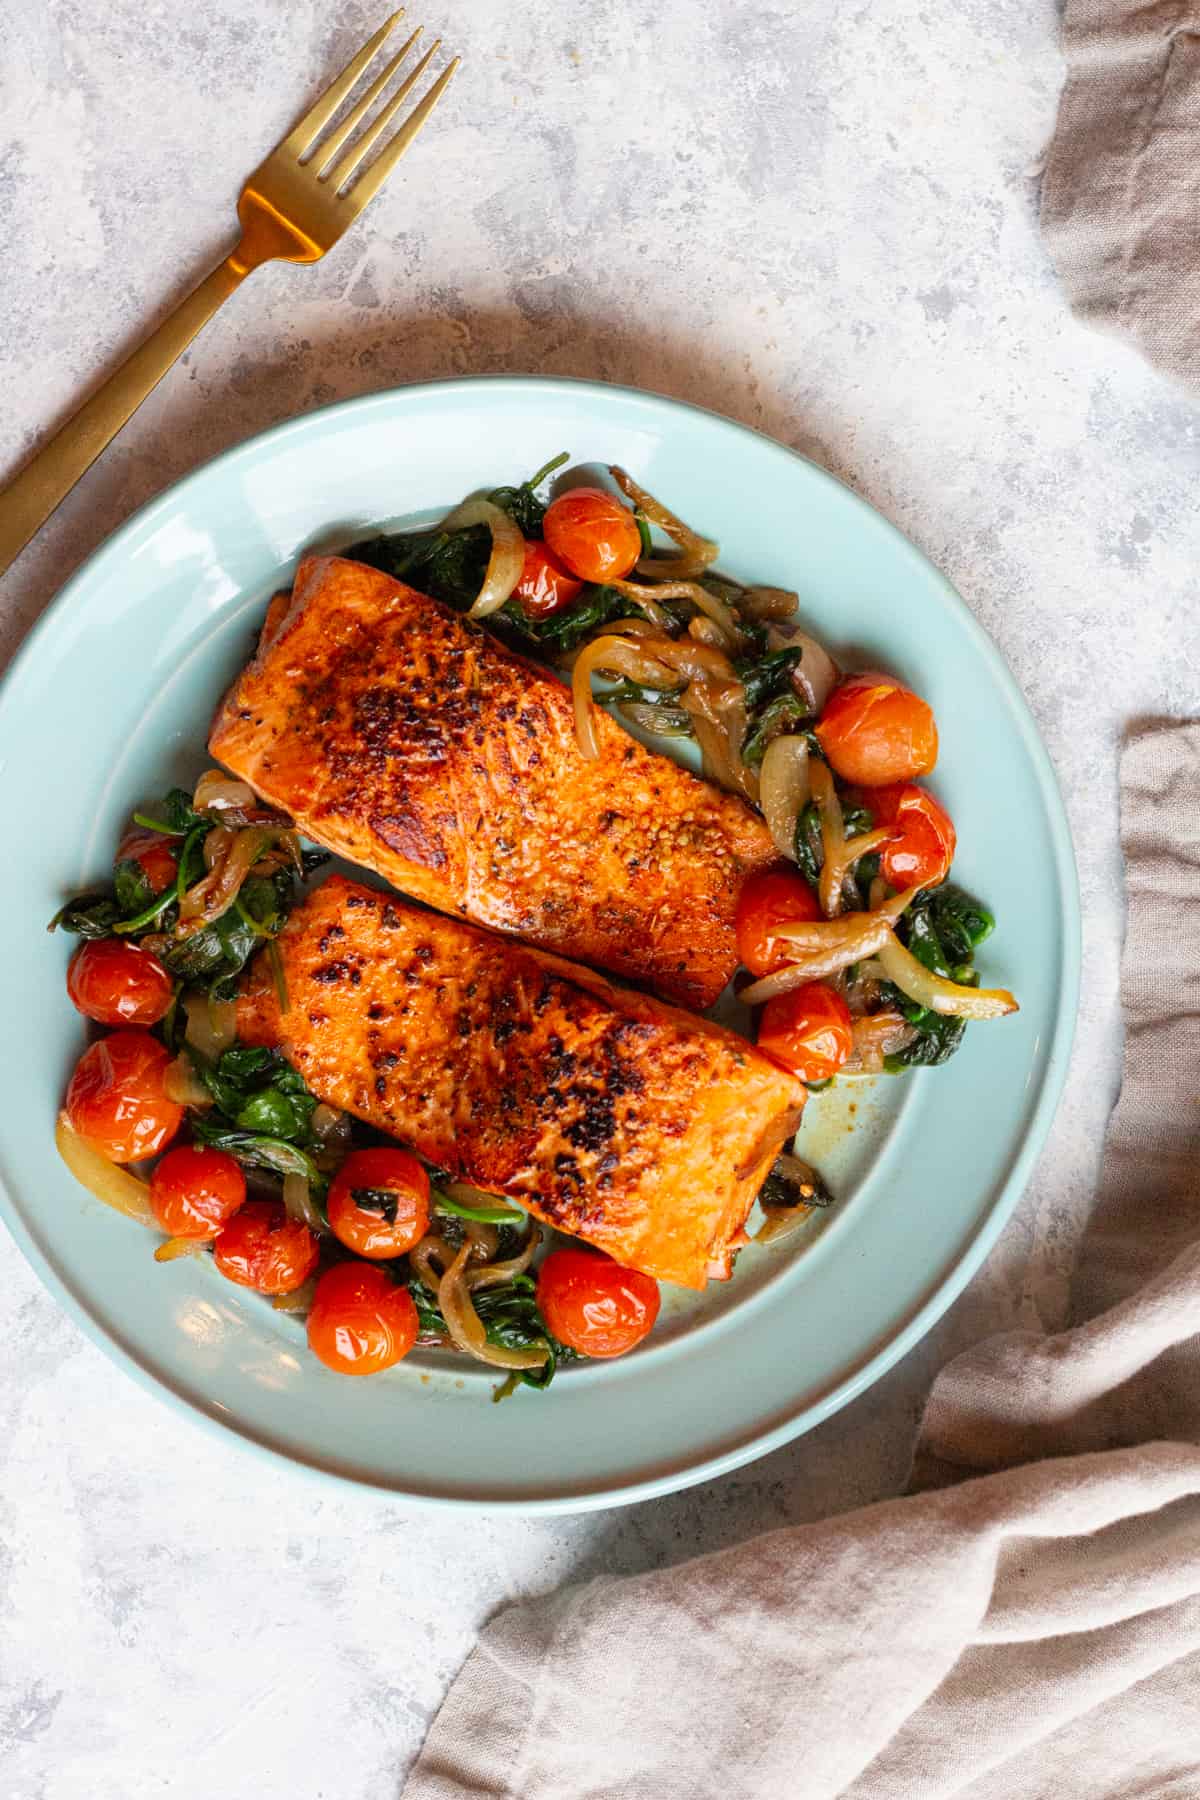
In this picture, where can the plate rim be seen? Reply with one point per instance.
(807, 1413)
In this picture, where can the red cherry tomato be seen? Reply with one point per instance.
(593, 534)
(922, 850)
(195, 1191)
(545, 586)
(116, 1099)
(593, 1304)
(808, 1031)
(379, 1202)
(775, 898)
(154, 853)
(118, 983)
(360, 1321)
(874, 731)
(262, 1248)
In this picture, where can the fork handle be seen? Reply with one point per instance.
(27, 502)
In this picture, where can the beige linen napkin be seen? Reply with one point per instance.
(1032, 1630)
(1120, 190)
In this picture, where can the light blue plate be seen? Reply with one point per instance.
(108, 702)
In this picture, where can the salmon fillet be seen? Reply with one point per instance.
(602, 1111)
(410, 741)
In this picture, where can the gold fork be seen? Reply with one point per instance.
(293, 208)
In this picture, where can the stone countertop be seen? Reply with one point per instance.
(818, 219)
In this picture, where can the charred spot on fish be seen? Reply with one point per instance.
(376, 1011)
(333, 973)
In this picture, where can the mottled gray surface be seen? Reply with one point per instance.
(817, 218)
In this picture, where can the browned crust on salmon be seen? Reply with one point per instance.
(602, 1111)
(408, 740)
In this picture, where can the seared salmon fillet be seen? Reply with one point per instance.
(408, 740)
(604, 1112)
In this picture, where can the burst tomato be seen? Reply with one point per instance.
(379, 1202)
(593, 1304)
(545, 586)
(116, 1098)
(360, 1320)
(922, 850)
(808, 1030)
(592, 534)
(262, 1248)
(118, 983)
(195, 1191)
(874, 731)
(154, 854)
(767, 901)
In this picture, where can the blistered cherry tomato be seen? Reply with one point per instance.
(545, 586)
(154, 853)
(118, 983)
(874, 731)
(921, 852)
(808, 1030)
(775, 898)
(262, 1248)
(195, 1191)
(116, 1098)
(360, 1320)
(379, 1202)
(593, 1304)
(593, 534)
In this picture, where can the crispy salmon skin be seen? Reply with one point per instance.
(604, 1112)
(410, 741)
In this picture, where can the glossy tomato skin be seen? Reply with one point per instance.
(369, 1232)
(592, 534)
(360, 1321)
(808, 1030)
(116, 1098)
(545, 586)
(118, 983)
(875, 731)
(262, 1248)
(195, 1191)
(923, 848)
(595, 1305)
(776, 897)
(154, 853)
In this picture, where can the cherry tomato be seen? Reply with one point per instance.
(921, 852)
(379, 1202)
(775, 898)
(360, 1321)
(116, 1099)
(262, 1248)
(195, 1191)
(808, 1031)
(154, 853)
(593, 1304)
(874, 731)
(593, 534)
(118, 983)
(545, 586)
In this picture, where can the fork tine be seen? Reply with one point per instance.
(322, 110)
(354, 156)
(369, 184)
(324, 155)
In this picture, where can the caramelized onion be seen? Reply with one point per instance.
(696, 553)
(617, 656)
(840, 852)
(783, 790)
(815, 674)
(822, 947)
(507, 558)
(467, 1329)
(299, 1300)
(211, 1024)
(108, 1181)
(173, 1247)
(876, 1035)
(230, 856)
(218, 792)
(495, 1274)
(182, 1083)
(934, 991)
(298, 1203)
(768, 603)
(713, 608)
